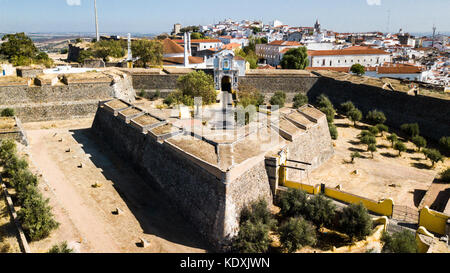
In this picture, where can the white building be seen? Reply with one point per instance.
(7, 70)
(273, 52)
(276, 23)
(366, 56)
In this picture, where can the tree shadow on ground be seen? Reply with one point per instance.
(352, 149)
(354, 142)
(362, 127)
(390, 155)
(154, 211)
(421, 166)
(418, 196)
(343, 125)
(382, 146)
(326, 241)
(417, 158)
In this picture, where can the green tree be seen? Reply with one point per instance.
(333, 131)
(252, 238)
(382, 128)
(420, 142)
(258, 212)
(445, 145)
(355, 221)
(250, 95)
(13, 165)
(321, 211)
(61, 248)
(149, 52)
(399, 242)
(433, 155)
(400, 147)
(36, 218)
(293, 203)
(346, 107)
(323, 101)
(374, 130)
(197, 36)
(368, 140)
(7, 112)
(279, 98)
(445, 175)
(295, 58)
(197, 84)
(20, 50)
(376, 117)
(297, 233)
(300, 100)
(358, 69)
(372, 149)
(410, 129)
(354, 115)
(393, 138)
(355, 155)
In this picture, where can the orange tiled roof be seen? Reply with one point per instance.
(170, 47)
(231, 46)
(354, 50)
(399, 70)
(180, 60)
(284, 43)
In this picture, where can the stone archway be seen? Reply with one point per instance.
(226, 84)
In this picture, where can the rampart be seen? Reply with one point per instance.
(209, 179)
(429, 108)
(50, 97)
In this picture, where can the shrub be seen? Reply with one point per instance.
(374, 130)
(376, 117)
(365, 133)
(300, 100)
(252, 238)
(445, 145)
(258, 212)
(169, 100)
(197, 84)
(346, 107)
(7, 112)
(410, 130)
(296, 233)
(293, 203)
(321, 211)
(393, 138)
(358, 69)
(61, 248)
(36, 218)
(13, 165)
(25, 184)
(400, 147)
(324, 102)
(279, 98)
(433, 155)
(399, 242)
(420, 142)
(382, 128)
(142, 94)
(372, 149)
(368, 140)
(250, 95)
(8, 148)
(329, 112)
(355, 221)
(333, 131)
(355, 155)
(445, 175)
(355, 115)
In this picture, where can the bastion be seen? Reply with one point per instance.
(210, 168)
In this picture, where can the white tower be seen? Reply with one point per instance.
(186, 50)
(96, 22)
(130, 54)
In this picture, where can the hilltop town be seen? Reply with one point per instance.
(235, 137)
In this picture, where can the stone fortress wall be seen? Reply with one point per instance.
(432, 113)
(52, 97)
(210, 194)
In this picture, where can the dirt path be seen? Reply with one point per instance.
(83, 213)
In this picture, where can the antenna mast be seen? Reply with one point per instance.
(96, 22)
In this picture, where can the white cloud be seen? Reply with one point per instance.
(374, 2)
(73, 2)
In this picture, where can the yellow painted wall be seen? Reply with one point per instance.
(433, 221)
(422, 246)
(308, 188)
(384, 207)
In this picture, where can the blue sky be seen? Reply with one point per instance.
(155, 16)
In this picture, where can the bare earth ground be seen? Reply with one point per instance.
(84, 212)
(409, 173)
(8, 231)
